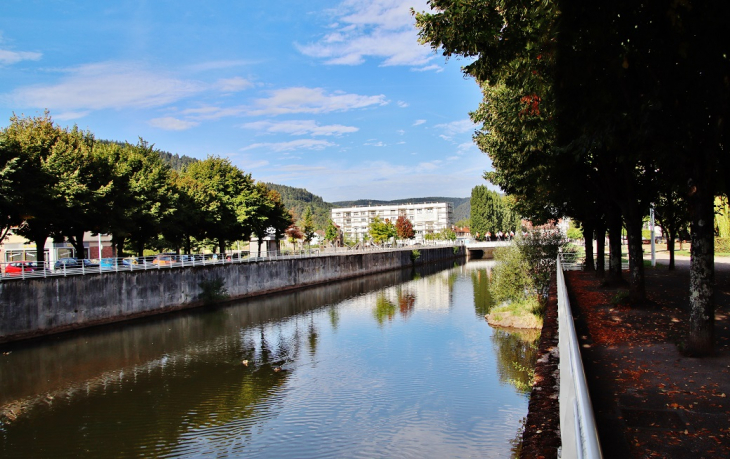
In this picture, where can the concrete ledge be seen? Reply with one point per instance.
(44, 306)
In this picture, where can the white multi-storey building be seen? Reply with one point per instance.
(426, 218)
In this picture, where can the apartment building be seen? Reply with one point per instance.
(426, 218)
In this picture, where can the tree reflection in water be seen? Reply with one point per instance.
(482, 298)
(516, 351)
(384, 309)
(406, 301)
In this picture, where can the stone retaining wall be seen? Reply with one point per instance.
(37, 307)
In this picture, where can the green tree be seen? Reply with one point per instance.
(30, 141)
(141, 195)
(9, 206)
(491, 212)
(332, 233)
(84, 183)
(307, 225)
(381, 231)
(269, 214)
(225, 196)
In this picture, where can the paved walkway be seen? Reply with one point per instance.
(649, 399)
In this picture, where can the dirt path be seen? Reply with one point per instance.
(650, 400)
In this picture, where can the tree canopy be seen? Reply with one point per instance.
(596, 109)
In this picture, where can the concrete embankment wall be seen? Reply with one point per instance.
(43, 306)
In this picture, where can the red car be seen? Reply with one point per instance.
(17, 268)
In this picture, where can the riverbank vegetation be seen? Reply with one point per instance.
(521, 278)
(60, 183)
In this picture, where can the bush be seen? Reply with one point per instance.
(511, 279)
(539, 249)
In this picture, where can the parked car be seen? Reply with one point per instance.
(131, 261)
(17, 268)
(110, 264)
(162, 260)
(88, 263)
(67, 263)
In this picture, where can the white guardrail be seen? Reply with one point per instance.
(19, 270)
(578, 432)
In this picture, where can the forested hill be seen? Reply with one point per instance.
(298, 199)
(176, 161)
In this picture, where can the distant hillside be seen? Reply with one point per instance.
(463, 212)
(298, 199)
(176, 161)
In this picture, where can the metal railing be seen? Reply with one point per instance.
(572, 261)
(20, 270)
(578, 432)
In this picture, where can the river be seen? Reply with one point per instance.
(399, 364)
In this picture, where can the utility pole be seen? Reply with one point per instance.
(651, 234)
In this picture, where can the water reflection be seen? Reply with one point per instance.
(321, 378)
(482, 298)
(384, 309)
(516, 351)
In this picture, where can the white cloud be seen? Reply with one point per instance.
(212, 113)
(66, 116)
(418, 122)
(13, 57)
(465, 147)
(233, 84)
(402, 104)
(219, 65)
(434, 67)
(373, 143)
(456, 127)
(341, 180)
(312, 100)
(169, 123)
(107, 85)
(382, 29)
(300, 127)
(303, 144)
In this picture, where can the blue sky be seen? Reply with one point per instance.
(334, 96)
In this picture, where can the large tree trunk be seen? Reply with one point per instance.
(637, 285)
(588, 244)
(600, 250)
(77, 240)
(701, 338)
(614, 276)
(670, 248)
(40, 248)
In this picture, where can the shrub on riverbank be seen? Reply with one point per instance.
(521, 278)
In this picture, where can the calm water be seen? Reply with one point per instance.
(400, 364)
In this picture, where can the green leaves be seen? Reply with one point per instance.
(381, 231)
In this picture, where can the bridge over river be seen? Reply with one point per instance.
(483, 249)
